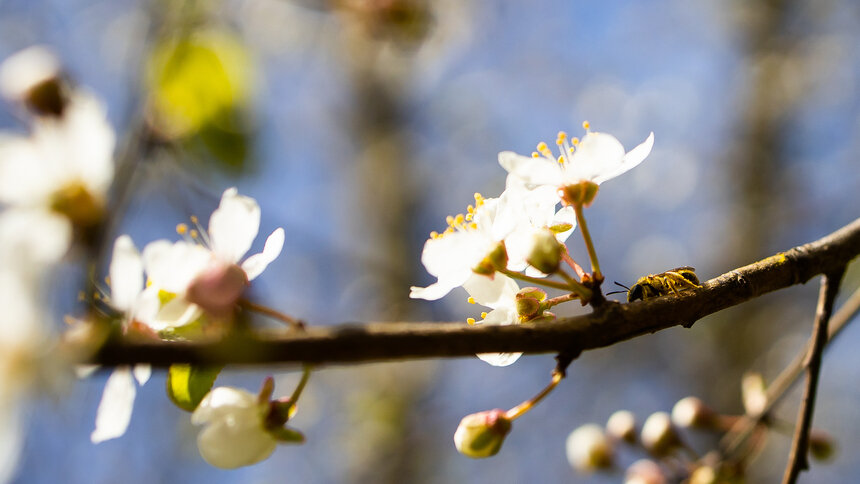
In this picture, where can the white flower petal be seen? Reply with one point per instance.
(126, 274)
(177, 312)
(172, 266)
(142, 372)
(500, 291)
(114, 412)
(531, 171)
(234, 226)
(25, 69)
(31, 239)
(596, 155)
(504, 317)
(257, 263)
(631, 159)
(451, 258)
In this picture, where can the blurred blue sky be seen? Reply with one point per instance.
(492, 76)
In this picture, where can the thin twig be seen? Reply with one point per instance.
(611, 324)
(798, 459)
(743, 427)
(272, 313)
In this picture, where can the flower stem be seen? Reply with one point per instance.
(586, 236)
(581, 291)
(524, 407)
(560, 299)
(306, 374)
(273, 313)
(580, 272)
(576, 286)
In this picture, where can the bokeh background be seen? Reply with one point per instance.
(360, 124)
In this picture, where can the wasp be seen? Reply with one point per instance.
(663, 284)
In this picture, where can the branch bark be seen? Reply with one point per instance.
(798, 459)
(612, 323)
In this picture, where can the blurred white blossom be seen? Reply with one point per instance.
(204, 273)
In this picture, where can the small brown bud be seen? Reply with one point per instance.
(645, 471)
(622, 426)
(588, 449)
(691, 412)
(658, 434)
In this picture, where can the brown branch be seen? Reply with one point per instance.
(798, 459)
(743, 428)
(611, 324)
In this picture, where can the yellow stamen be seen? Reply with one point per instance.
(535, 154)
(574, 141)
(470, 300)
(484, 315)
(194, 219)
(194, 234)
(181, 229)
(107, 280)
(434, 234)
(470, 320)
(586, 125)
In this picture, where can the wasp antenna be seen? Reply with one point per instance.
(626, 289)
(621, 285)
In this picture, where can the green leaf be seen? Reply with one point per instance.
(188, 384)
(196, 78)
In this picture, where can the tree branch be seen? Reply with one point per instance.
(743, 428)
(798, 459)
(612, 323)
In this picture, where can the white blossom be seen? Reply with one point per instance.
(205, 273)
(597, 158)
(127, 295)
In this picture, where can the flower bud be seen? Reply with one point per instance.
(588, 449)
(581, 193)
(691, 412)
(658, 435)
(218, 288)
(821, 445)
(546, 252)
(622, 426)
(482, 434)
(528, 301)
(754, 393)
(644, 471)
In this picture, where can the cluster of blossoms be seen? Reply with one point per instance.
(521, 235)
(54, 182)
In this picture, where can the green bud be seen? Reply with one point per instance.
(481, 434)
(546, 253)
(581, 193)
